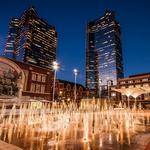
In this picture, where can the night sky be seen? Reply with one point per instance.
(70, 18)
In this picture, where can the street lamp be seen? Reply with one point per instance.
(109, 83)
(100, 91)
(76, 72)
(55, 66)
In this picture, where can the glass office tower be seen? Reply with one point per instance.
(9, 50)
(103, 53)
(36, 40)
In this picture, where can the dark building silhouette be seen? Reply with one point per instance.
(103, 52)
(31, 40)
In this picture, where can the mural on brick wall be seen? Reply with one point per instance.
(8, 80)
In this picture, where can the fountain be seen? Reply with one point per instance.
(92, 125)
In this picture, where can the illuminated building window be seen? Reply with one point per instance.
(39, 77)
(42, 88)
(123, 82)
(38, 88)
(43, 78)
(137, 81)
(130, 81)
(33, 87)
(145, 80)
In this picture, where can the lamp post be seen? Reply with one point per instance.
(55, 66)
(76, 72)
(109, 83)
(100, 90)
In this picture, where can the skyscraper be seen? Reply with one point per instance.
(103, 52)
(9, 50)
(35, 41)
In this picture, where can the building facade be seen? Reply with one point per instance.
(104, 60)
(9, 50)
(133, 81)
(65, 90)
(34, 40)
(26, 81)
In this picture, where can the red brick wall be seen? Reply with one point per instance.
(48, 83)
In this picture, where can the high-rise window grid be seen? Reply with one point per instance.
(31, 40)
(103, 52)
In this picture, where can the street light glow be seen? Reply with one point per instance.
(56, 65)
(75, 71)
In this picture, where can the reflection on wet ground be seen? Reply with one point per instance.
(90, 126)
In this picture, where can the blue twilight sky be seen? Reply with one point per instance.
(70, 18)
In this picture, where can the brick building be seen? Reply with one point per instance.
(65, 90)
(33, 81)
(30, 81)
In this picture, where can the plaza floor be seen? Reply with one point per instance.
(91, 126)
